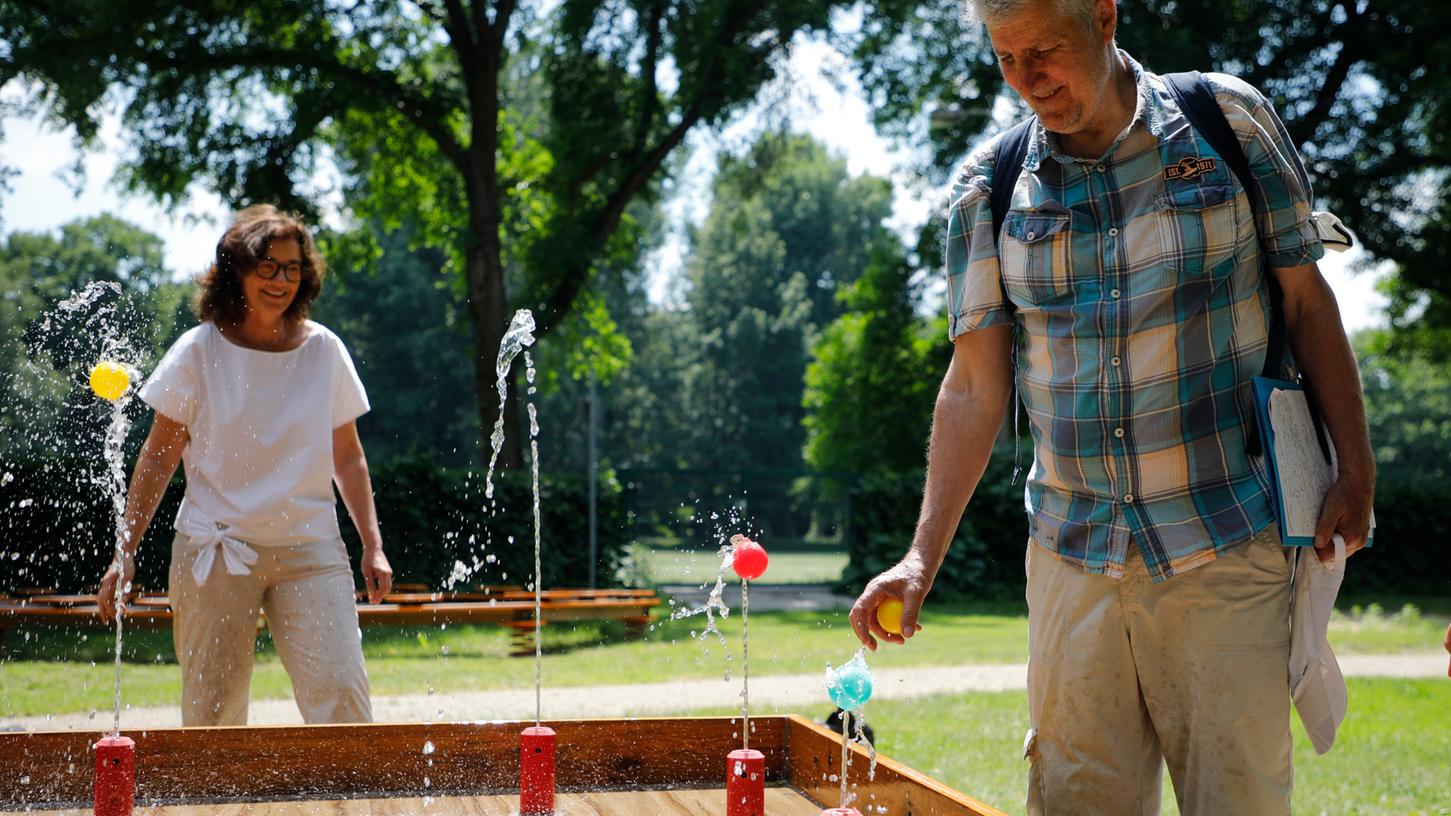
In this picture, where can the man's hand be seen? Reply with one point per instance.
(377, 574)
(1346, 510)
(908, 582)
(969, 411)
(106, 595)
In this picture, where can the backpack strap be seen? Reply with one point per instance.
(1007, 167)
(1012, 152)
(1196, 99)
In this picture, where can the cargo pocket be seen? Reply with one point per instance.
(1036, 265)
(1036, 800)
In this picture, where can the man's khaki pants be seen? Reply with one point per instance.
(1125, 674)
(307, 593)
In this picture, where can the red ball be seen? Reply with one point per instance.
(750, 558)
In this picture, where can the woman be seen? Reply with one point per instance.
(260, 403)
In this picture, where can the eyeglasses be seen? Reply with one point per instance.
(267, 269)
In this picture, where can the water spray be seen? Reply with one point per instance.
(745, 766)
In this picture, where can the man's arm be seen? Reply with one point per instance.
(1317, 339)
(970, 408)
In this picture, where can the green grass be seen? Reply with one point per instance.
(791, 563)
(64, 671)
(1392, 756)
(1369, 629)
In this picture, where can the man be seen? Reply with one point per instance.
(1157, 588)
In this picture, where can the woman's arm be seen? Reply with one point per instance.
(160, 454)
(350, 472)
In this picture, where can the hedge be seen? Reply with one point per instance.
(1410, 554)
(986, 555)
(57, 528)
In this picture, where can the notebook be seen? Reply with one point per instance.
(1299, 455)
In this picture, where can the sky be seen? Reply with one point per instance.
(819, 96)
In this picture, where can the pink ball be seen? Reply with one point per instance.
(750, 559)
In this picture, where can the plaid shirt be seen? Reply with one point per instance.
(1137, 285)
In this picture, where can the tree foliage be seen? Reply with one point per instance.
(1408, 409)
(407, 332)
(788, 229)
(46, 353)
(243, 98)
(873, 376)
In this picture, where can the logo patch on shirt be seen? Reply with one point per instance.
(1188, 167)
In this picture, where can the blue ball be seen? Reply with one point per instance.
(850, 686)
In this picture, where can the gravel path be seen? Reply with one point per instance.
(779, 693)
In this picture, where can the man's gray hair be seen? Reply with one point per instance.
(990, 10)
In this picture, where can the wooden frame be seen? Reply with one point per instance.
(351, 761)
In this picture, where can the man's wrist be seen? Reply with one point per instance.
(921, 559)
(1358, 470)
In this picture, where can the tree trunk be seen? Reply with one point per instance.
(489, 306)
(488, 299)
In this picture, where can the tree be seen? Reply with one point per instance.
(46, 353)
(243, 97)
(873, 377)
(406, 330)
(787, 230)
(1408, 409)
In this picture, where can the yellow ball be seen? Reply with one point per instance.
(889, 615)
(110, 380)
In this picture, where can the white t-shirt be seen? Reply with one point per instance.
(260, 460)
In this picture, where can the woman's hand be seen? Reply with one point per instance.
(106, 595)
(377, 574)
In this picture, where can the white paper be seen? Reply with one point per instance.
(1303, 474)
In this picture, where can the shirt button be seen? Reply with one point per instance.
(1113, 231)
(1115, 361)
(1099, 168)
(1128, 498)
(1118, 432)
(1115, 293)
(1032, 235)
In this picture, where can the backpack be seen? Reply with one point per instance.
(1196, 99)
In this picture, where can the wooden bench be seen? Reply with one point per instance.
(512, 607)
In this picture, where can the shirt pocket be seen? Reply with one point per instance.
(1199, 228)
(1036, 265)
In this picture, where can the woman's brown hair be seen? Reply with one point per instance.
(220, 298)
